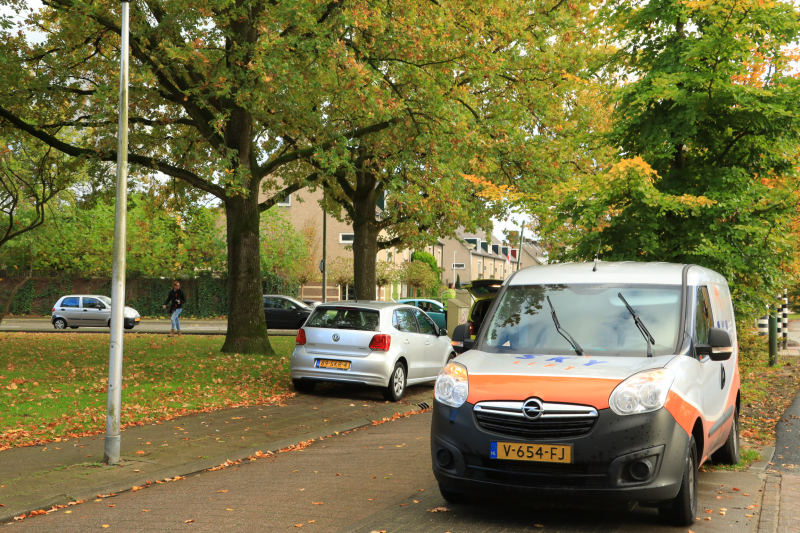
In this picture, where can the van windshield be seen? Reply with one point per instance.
(593, 314)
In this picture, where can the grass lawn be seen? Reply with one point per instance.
(766, 391)
(54, 386)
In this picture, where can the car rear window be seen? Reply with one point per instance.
(344, 318)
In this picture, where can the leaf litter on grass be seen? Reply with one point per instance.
(53, 387)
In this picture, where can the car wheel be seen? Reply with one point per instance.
(682, 510)
(304, 385)
(452, 496)
(729, 453)
(60, 323)
(397, 384)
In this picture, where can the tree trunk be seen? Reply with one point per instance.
(247, 328)
(6, 307)
(365, 237)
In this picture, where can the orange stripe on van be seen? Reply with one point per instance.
(682, 411)
(585, 391)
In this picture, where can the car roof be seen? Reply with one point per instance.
(608, 272)
(85, 296)
(363, 304)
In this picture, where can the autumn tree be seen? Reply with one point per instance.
(707, 136)
(417, 275)
(307, 264)
(340, 272)
(385, 274)
(250, 101)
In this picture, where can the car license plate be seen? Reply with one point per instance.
(546, 453)
(330, 363)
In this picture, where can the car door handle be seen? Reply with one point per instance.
(85, 310)
(427, 343)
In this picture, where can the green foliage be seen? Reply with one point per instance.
(283, 248)
(458, 281)
(426, 257)
(23, 301)
(708, 135)
(274, 284)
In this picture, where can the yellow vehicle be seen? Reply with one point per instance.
(483, 292)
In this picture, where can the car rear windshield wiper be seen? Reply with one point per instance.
(640, 325)
(562, 331)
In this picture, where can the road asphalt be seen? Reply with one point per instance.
(147, 325)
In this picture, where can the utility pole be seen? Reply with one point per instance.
(324, 257)
(111, 451)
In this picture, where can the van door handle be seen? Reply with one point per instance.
(407, 341)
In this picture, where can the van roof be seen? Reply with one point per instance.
(612, 272)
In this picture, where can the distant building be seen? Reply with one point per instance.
(470, 256)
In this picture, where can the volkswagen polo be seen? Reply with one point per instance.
(611, 382)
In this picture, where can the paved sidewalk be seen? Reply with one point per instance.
(189, 326)
(39, 477)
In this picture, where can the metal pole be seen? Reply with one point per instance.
(773, 339)
(519, 251)
(324, 257)
(112, 440)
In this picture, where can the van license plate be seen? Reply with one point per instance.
(330, 363)
(545, 453)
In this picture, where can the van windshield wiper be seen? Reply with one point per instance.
(562, 331)
(640, 325)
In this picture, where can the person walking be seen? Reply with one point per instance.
(175, 300)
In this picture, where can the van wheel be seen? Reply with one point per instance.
(304, 385)
(397, 384)
(452, 496)
(729, 453)
(682, 510)
(60, 323)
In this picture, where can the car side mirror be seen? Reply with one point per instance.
(719, 347)
(462, 339)
(442, 332)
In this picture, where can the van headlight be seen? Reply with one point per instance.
(452, 385)
(642, 393)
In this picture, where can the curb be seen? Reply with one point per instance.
(770, 505)
(758, 467)
(195, 467)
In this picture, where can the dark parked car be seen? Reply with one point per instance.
(284, 312)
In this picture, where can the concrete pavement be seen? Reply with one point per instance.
(147, 325)
(373, 479)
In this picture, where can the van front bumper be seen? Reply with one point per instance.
(601, 459)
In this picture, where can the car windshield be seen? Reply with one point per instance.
(344, 318)
(592, 314)
(105, 299)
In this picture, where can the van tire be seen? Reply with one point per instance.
(452, 496)
(397, 383)
(729, 453)
(682, 510)
(304, 385)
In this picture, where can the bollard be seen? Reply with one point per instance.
(785, 321)
(763, 328)
(773, 340)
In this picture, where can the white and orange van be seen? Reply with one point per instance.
(611, 380)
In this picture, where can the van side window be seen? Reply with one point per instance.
(703, 317)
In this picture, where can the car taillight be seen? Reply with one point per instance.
(380, 343)
(301, 337)
(54, 310)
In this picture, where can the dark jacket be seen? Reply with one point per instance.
(177, 298)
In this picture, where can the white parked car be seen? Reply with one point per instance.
(81, 310)
(387, 345)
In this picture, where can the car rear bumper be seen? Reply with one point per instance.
(374, 369)
(601, 458)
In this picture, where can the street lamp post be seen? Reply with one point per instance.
(112, 439)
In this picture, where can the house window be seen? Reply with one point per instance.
(286, 201)
(346, 238)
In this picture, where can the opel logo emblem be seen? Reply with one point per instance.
(336, 337)
(532, 409)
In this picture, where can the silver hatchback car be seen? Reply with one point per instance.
(387, 345)
(81, 310)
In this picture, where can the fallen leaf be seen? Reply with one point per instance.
(298, 525)
(105, 525)
(112, 505)
(734, 488)
(709, 510)
(229, 509)
(222, 491)
(753, 506)
(188, 521)
(145, 510)
(416, 501)
(140, 452)
(403, 505)
(708, 518)
(438, 510)
(371, 499)
(745, 494)
(317, 503)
